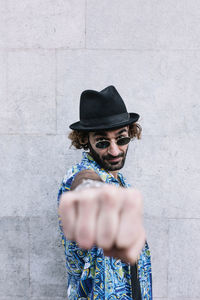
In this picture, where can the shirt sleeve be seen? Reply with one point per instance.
(75, 256)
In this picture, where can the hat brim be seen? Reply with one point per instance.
(78, 126)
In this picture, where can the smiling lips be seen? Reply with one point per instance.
(114, 159)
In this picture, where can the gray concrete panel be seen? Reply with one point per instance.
(184, 243)
(3, 11)
(146, 169)
(143, 24)
(14, 298)
(29, 105)
(166, 170)
(50, 51)
(157, 237)
(3, 89)
(14, 257)
(47, 263)
(97, 69)
(79, 70)
(39, 24)
(32, 168)
(3, 76)
(162, 87)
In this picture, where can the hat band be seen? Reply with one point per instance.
(106, 120)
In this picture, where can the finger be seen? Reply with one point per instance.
(67, 213)
(128, 255)
(108, 217)
(135, 250)
(130, 219)
(86, 218)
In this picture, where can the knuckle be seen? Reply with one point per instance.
(111, 202)
(108, 201)
(85, 201)
(88, 196)
(108, 197)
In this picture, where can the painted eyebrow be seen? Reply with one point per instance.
(104, 133)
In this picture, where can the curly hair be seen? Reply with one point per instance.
(78, 138)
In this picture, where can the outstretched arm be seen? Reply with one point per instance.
(107, 216)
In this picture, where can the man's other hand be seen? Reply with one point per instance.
(109, 217)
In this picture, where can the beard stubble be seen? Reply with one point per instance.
(109, 166)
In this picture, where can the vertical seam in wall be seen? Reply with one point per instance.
(56, 115)
(85, 23)
(168, 257)
(6, 55)
(29, 271)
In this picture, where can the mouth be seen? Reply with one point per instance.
(114, 159)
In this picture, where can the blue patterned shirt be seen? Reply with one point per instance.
(91, 275)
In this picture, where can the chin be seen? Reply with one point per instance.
(116, 167)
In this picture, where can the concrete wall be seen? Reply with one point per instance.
(50, 51)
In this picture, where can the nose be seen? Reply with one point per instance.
(113, 149)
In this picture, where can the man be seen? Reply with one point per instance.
(107, 255)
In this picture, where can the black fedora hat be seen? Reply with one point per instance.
(103, 110)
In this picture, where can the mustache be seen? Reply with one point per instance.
(112, 157)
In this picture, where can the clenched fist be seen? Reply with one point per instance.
(109, 217)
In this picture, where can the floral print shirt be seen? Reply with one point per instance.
(91, 275)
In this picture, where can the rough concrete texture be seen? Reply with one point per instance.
(50, 51)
